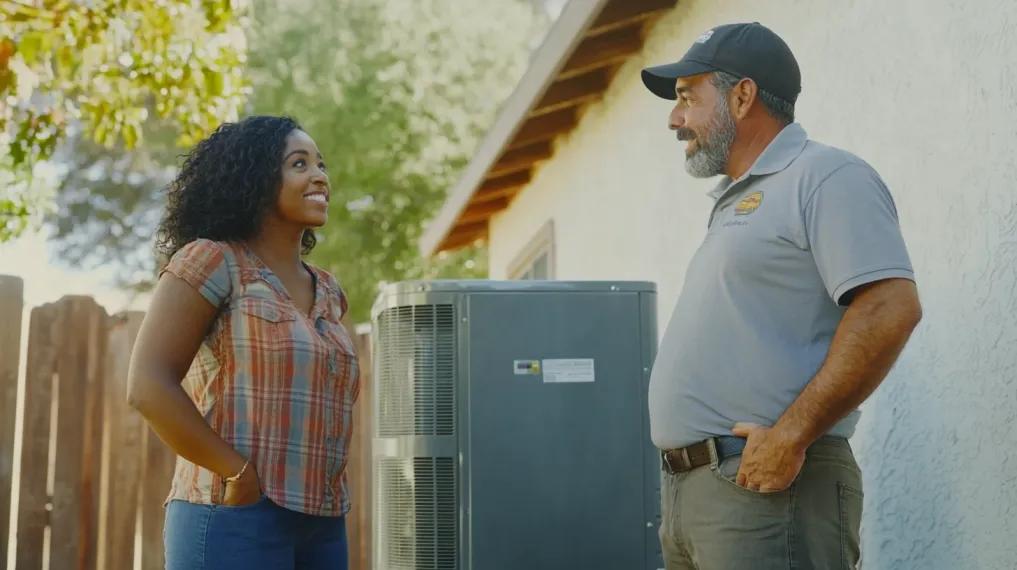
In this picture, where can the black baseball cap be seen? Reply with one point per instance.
(744, 50)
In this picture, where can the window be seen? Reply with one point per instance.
(536, 261)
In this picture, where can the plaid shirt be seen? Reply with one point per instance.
(276, 384)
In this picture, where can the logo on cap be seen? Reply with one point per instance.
(705, 37)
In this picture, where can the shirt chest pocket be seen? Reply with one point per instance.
(264, 323)
(336, 335)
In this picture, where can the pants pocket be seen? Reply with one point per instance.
(185, 533)
(235, 508)
(850, 502)
(727, 471)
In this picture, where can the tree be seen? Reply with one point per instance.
(108, 202)
(397, 95)
(102, 68)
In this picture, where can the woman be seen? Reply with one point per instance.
(241, 364)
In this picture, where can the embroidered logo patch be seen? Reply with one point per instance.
(705, 37)
(749, 204)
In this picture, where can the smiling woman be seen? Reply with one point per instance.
(241, 365)
(234, 179)
(303, 195)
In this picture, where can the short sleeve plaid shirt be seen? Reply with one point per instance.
(276, 384)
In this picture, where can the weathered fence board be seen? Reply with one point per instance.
(359, 466)
(158, 464)
(93, 475)
(122, 451)
(40, 377)
(11, 305)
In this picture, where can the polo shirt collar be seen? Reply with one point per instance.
(778, 155)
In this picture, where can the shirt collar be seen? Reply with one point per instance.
(322, 295)
(782, 151)
(322, 289)
(778, 155)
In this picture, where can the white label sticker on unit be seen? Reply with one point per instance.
(568, 370)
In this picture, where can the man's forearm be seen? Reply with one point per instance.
(867, 342)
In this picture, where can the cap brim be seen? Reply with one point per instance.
(660, 79)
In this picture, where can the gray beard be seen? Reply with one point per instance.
(713, 150)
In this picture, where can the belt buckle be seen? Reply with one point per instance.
(684, 465)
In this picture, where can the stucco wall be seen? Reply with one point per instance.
(926, 91)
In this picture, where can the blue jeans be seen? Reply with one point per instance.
(259, 536)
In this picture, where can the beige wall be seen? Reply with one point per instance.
(926, 91)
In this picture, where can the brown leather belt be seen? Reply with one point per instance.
(685, 459)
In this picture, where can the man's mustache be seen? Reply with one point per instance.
(685, 134)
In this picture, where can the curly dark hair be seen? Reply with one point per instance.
(226, 184)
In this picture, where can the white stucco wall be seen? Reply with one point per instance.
(926, 91)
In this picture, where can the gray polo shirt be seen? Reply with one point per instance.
(765, 292)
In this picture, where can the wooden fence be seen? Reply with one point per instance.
(92, 476)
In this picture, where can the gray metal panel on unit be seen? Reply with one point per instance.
(482, 286)
(415, 453)
(651, 465)
(399, 295)
(463, 401)
(557, 468)
(416, 446)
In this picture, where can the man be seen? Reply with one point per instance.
(794, 308)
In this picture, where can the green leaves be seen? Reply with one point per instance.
(13, 218)
(396, 94)
(103, 64)
(31, 47)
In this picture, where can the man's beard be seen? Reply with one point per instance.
(713, 148)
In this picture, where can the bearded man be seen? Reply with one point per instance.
(793, 310)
